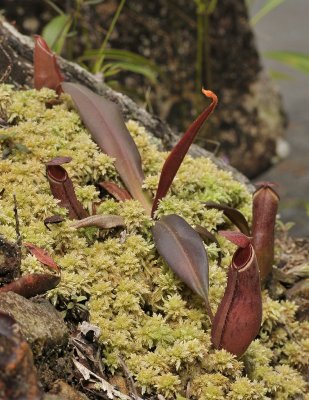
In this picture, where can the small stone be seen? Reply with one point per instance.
(18, 377)
(63, 391)
(41, 325)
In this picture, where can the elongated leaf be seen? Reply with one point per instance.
(56, 30)
(122, 55)
(183, 250)
(235, 216)
(239, 315)
(46, 70)
(42, 256)
(298, 61)
(144, 70)
(100, 221)
(265, 10)
(119, 193)
(178, 153)
(31, 285)
(106, 125)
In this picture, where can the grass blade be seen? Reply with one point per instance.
(269, 6)
(55, 32)
(298, 61)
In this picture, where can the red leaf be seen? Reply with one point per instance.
(238, 238)
(235, 216)
(183, 250)
(46, 70)
(239, 315)
(42, 256)
(178, 153)
(116, 191)
(31, 285)
(105, 122)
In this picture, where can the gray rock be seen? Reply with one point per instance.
(41, 325)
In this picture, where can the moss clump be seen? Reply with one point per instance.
(147, 317)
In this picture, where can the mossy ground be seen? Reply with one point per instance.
(147, 317)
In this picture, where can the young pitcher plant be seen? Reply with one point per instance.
(238, 317)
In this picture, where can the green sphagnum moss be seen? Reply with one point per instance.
(146, 315)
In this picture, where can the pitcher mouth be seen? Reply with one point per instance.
(57, 173)
(242, 257)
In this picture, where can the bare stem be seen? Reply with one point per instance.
(17, 225)
(209, 312)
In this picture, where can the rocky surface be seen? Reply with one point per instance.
(63, 391)
(41, 325)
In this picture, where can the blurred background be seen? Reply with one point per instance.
(253, 54)
(286, 29)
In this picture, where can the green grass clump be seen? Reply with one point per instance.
(148, 318)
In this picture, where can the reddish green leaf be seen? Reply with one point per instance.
(235, 216)
(31, 285)
(46, 70)
(239, 315)
(100, 221)
(265, 207)
(42, 256)
(116, 191)
(238, 238)
(106, 125)
(183, 250)
(62, 188)
(178, 153)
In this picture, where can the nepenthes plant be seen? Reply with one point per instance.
(189, 330)
(238, 318)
